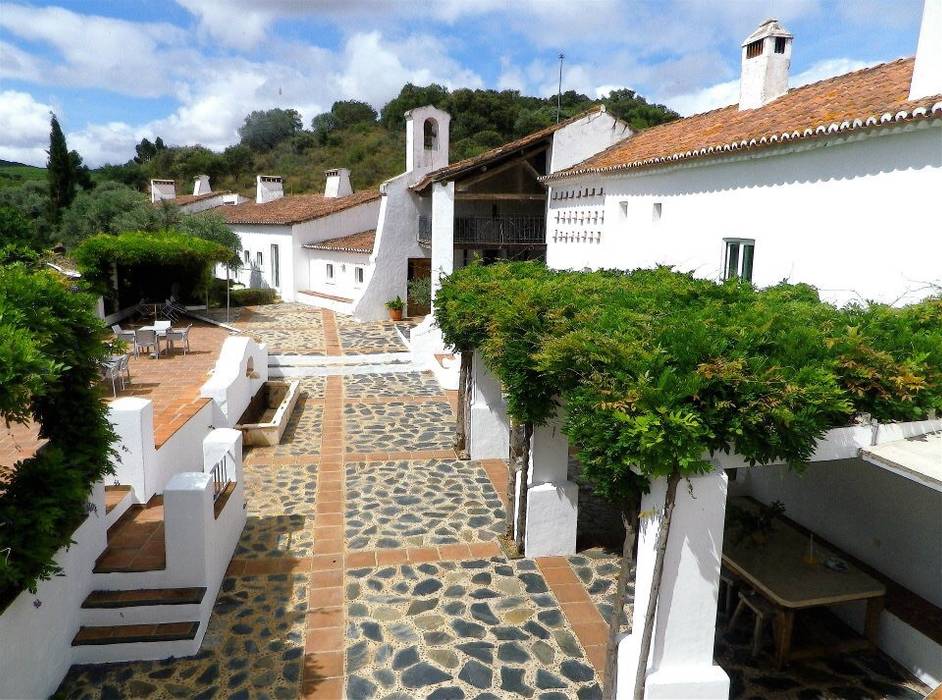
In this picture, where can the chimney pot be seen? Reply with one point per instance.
(268, 188)
(201, 185)
(766, 58)
(162, 189)
(337, 183)
(927, 72)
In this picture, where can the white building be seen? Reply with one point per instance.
(203, 197)
(276, 229)
(834, 184)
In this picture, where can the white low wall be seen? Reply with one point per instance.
(489, 436)
(36, 630)
(239, 373)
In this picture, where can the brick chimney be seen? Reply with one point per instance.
(201, 185)
(927, 73)
(766, 57)
(162, 189)
(268, 188)
(338, 183)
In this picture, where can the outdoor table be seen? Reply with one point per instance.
(161, 333)
(778, 570)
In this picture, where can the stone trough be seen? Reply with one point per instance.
(266, 417)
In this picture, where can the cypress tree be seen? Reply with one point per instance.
(60, 170)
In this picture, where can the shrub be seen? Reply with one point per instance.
(251, 297)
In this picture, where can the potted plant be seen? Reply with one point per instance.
(755, 523)
(395, 308)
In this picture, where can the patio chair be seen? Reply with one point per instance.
(761, 608)
(179, 335)
(146, 339)
(729, 586)
(127, 335)
(162, 327)
(115, 370)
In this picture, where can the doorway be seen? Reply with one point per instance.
(419, 279)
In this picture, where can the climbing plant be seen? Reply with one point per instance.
(50, 349)
(659, 370)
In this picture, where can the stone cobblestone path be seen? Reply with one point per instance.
(369, 566)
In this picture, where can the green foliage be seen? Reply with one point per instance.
(146, 150)
(31, 199)
(659, 369)
(395, 304)
(50, 348)
(210, 226)
(110, 208)
(16, 228)
(263, 130)
(420, 292)
(60, 170)
(251, 297)
(13, 173)
(411, 96)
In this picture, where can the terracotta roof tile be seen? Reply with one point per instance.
(861, 99)
(460, 166)
(293, 209)
(182, 199)
(354, 243)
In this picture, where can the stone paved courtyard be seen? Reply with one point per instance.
(363, 575)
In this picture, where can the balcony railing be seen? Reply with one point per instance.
(486, 232)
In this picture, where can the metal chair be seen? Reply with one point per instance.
(761, 608)
(162, 327)
(179, 335)
(146, 339)
(115, 369)
(123, 334)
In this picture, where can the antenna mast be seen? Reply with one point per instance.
(559, 92)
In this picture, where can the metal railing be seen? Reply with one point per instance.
(494, 232)
(221, 480)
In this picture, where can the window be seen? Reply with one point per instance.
(624, 209)
(358, 276)
(275, 267)
(780, 44)
(754, 49)
(656, 212)
(248, 258)
(738, 258)
(258, 260)
(430, 135)
(330, 272)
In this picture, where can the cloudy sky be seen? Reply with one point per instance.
(116, 71)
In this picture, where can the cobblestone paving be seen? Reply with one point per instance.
(280, 490)
(471, 629)
(597, 570)
(358, 338)
(253, 648)
(392, 384)
(398, 427)
(302, 434)
(423, 503)
(287, 329)
(311, 387)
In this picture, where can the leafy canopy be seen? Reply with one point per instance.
(659, 369)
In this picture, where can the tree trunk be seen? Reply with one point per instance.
(628, 518)
(464, 379)
(524, 470)
(661, 548)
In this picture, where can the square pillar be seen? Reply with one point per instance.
(552, 500)
(136, 456)
(489, 434)
(681, 660)
(443, 233)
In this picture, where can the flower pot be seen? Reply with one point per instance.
(395, 314)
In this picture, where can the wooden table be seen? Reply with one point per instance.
(778, 571)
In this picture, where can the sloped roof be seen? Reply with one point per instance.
(293, 209)
(183, 199)
(361, 242)
(862, 99)
(454, 169)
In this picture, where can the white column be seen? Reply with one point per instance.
(489, 437)
(188, 518)
(133, 421)
(443, 233)
(681, 660)
(552, 500)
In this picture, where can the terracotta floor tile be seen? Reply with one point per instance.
(455, 552)
(328, 546)
(326, 562)
(420, 554)
(323, 639)
(552, 563)
(484, 549)
(391, 556)
(318, 618)
(325, 579)
(560, 577)
(580, 613)
(325, 664)
(591, 634)
(360, 559)
(326, 597)
(570, 592)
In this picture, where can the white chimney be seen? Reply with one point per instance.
(927, 73)
(268, 188)
(426, 139)
(162, 189)
(201, 185)
(338, 183)
(766, 57)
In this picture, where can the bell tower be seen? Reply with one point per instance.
(426, 139)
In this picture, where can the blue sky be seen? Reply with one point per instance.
(116, 71)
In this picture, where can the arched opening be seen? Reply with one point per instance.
(430, 135)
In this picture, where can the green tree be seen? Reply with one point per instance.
(263, 130)
(109, 208)
(238, 159)
(60, 169)
(350, 112)
(31, 199)
(630, 107)
(210, 226)
(16, 229)
(392, 115)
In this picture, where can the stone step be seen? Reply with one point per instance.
(126, 634)
(144, 597)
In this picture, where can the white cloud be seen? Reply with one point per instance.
(135, 58)
(24, 128)
(727, 93)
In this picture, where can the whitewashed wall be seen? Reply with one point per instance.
(396, 242)
(853, 218)
(259, 238)
(583, 138)
(344, 282)
(239, 373)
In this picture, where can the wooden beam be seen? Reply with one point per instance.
(498, 196)
(490, 172)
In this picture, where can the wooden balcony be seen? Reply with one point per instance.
(487, 232)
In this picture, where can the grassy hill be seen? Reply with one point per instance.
(13, 173)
